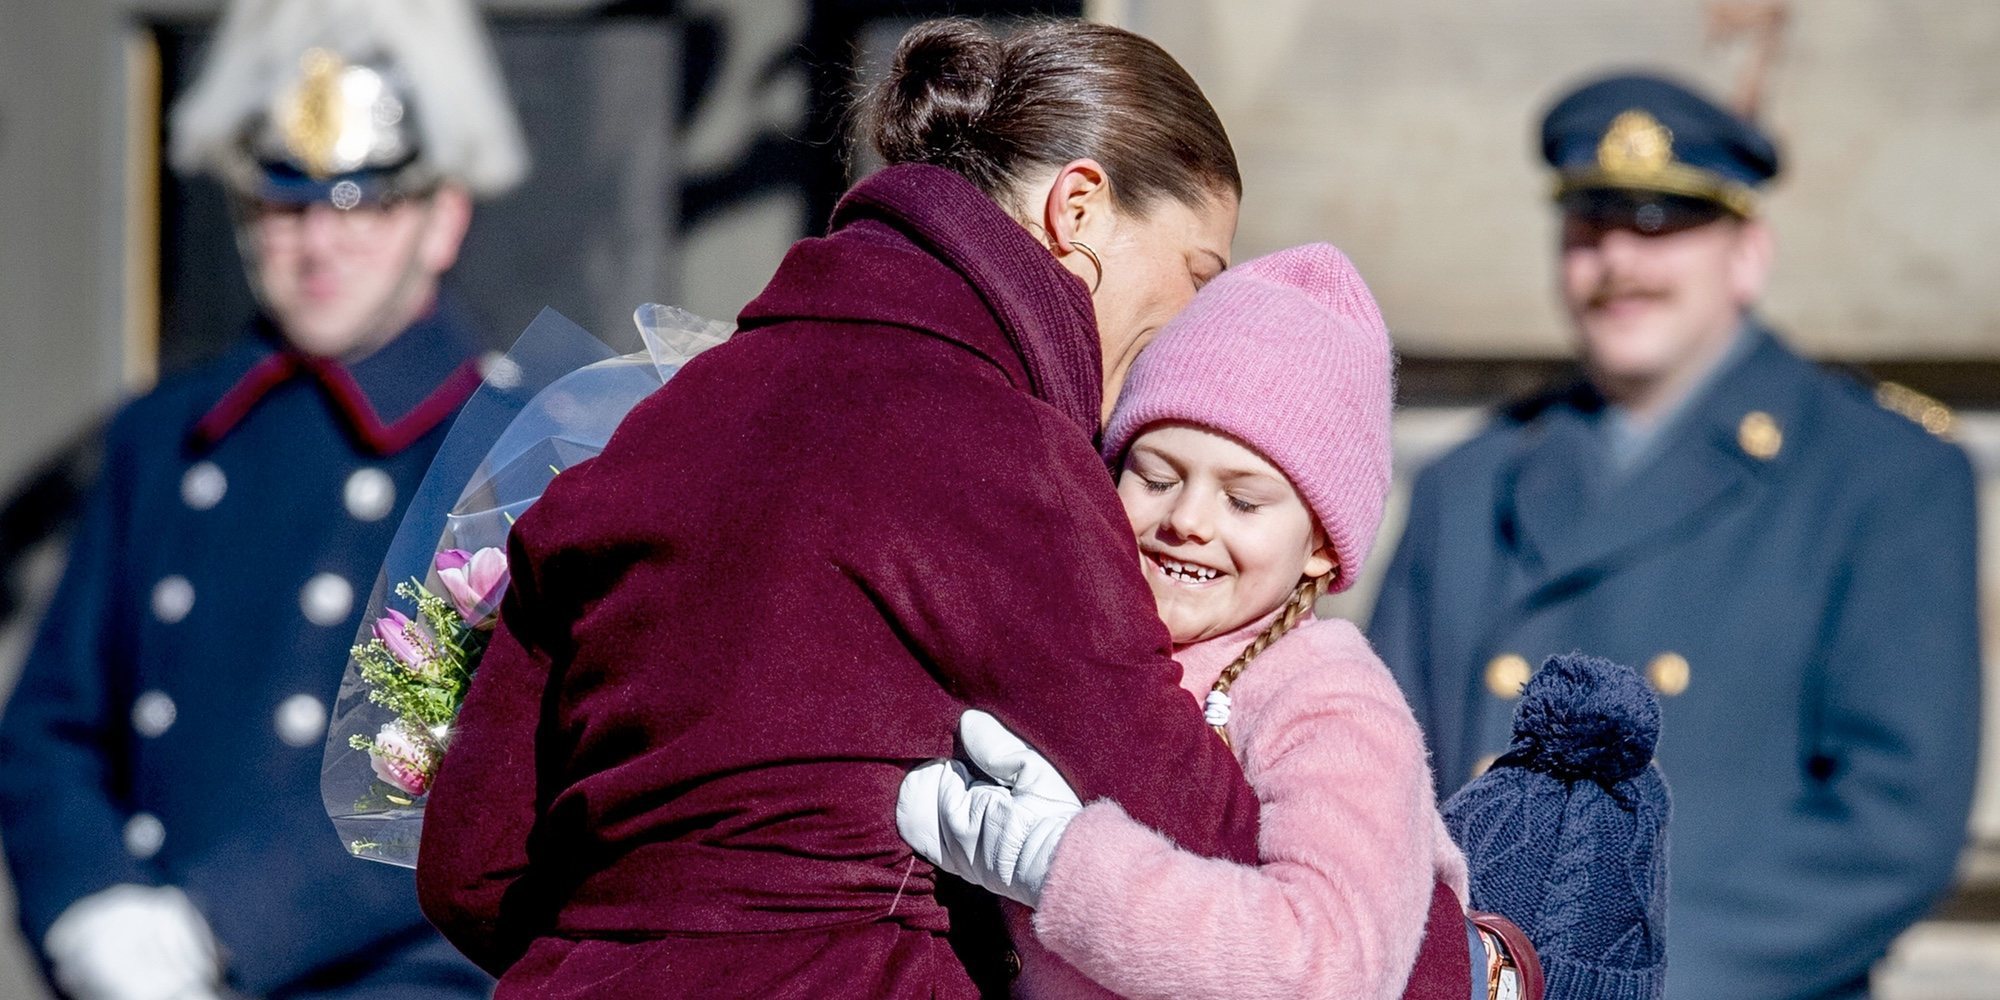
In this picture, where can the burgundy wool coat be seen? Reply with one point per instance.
(732, 633)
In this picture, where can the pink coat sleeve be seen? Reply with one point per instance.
(1349, 850)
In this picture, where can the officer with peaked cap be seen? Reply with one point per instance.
(160, 804)
(1790, 564)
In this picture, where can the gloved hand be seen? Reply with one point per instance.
(134, 942)
(1000, 834)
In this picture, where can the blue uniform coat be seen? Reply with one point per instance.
(1794, 570)
(170, 719)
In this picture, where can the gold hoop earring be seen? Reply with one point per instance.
(1094, 262)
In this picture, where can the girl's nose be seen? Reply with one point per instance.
(1188, 518)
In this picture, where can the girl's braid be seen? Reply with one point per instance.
(1296, 607)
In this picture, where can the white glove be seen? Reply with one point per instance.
(1000, 836)
(133, 942)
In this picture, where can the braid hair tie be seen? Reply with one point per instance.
(1216, 709)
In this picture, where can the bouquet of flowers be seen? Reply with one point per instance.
(550, 403)
(420, 668)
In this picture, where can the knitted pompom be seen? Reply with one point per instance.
(1582, 717)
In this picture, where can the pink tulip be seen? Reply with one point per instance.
(474, 581)
(403, 760)
(403, 638)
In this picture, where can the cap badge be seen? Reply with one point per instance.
(1636, 143)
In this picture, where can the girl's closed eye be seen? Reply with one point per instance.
(1243, 505)
(1155, 472)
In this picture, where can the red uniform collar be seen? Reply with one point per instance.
(356, 413)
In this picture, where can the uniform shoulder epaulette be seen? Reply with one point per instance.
(1922, 410)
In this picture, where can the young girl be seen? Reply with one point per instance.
(1252, 440)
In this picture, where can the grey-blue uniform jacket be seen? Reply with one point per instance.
(1794, 571)
(170, 720)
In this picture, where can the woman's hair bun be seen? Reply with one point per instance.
(963, 96)
(935, 104)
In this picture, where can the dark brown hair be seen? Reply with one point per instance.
(990, 107)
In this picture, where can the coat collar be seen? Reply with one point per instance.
(920, 246)
(385, 401)
(1566, 521)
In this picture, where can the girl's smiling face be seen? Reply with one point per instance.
(1223, 536)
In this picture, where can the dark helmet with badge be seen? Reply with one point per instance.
(1642, 151)
(349, 102)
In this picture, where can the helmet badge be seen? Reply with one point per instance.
(337, 115)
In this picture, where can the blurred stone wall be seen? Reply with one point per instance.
(1405, 133)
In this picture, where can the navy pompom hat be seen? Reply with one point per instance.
(1566, 834)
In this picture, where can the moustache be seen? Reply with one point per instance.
(1606, 291)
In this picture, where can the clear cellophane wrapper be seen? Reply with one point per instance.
(548, 404)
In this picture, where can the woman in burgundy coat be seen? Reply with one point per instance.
(730, 635)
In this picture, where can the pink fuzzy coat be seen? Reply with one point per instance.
(1350, 850)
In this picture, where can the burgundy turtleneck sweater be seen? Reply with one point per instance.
(732, 633)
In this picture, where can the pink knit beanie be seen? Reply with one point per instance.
(1288, 354)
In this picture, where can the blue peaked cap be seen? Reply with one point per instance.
(1648, 134)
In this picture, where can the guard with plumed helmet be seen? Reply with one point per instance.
(161, 807)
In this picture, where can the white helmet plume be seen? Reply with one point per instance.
(465, 122)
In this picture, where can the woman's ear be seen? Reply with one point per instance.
(1321, 562)
(1078, 201)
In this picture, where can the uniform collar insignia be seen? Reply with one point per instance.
(1925, 412)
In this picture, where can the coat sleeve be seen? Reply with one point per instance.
(1017, 581)
(1881, 812)
(1335, 907)
(473, 872)
(62, 737)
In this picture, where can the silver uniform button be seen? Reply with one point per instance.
(144, 834)
(153, 714)
(326, 599)
(300, 720)
(203, 486)
(173, 598)
(370, 494)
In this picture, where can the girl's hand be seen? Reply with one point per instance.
(999, 834)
